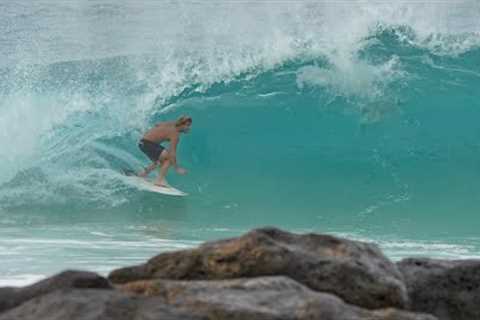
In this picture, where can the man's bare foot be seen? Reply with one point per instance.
(163, 184)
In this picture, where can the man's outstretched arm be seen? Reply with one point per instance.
(172, 152)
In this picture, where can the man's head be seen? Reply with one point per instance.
(183, 124)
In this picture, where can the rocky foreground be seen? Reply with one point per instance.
(265, 274)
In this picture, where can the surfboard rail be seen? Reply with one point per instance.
(146, 185)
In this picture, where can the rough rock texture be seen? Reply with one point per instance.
(267, 274)
(262, 298)
(355, 271)
(94, 304)
(447, 289)
(12, 297)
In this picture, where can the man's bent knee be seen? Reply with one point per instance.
(163, 156)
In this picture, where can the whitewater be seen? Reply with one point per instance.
(355, 118)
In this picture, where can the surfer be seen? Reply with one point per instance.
(150, 144)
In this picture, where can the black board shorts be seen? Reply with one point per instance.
(151, 149)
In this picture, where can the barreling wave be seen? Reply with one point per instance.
(306, 81)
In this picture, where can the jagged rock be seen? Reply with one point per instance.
(11, 297)
(94, 304)
(448, 289)
(355, 271)
(263, 298)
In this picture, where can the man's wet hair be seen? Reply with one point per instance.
(183, 120)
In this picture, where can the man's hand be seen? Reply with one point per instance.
(181, 171)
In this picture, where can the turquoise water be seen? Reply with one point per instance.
(354, 118)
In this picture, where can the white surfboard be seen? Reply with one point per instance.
(144, 184)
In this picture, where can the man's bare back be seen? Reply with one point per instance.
(164, 131)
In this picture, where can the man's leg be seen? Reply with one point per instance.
(148, 169)
(163, 173)
(164, 165)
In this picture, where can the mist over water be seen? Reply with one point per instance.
(355, 118)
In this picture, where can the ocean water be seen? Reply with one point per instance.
(355, 118)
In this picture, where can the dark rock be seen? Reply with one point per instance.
(263, 298)
(11, 297)
(447, 289)
(94, 304)
(355, 271)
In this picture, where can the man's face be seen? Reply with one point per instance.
(186, 127)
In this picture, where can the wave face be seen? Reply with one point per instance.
(354, 117)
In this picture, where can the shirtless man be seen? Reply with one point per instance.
(150, 145)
